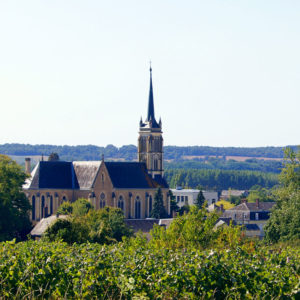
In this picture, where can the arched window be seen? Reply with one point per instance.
(64, 198)
(121, 203)
(102, 200)
(33, 207)
(43, 206)
(155, 163)
(150, 205)
(137, 207)
(51, 205)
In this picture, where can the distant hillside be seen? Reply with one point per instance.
(129, 152)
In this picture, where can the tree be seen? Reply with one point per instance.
(200, 199)
(104, 226)
(14, 205)
(173, 204)
(284, 223)
(158, 210)
(53, 157)
(69, 230)
(81, 207)
(66, 208)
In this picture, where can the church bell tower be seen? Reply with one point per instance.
(150, 142)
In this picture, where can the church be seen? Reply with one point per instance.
(131, 186)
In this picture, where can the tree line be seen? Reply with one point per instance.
(219, 179)
(129, 152)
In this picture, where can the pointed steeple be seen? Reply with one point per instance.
(150, 115)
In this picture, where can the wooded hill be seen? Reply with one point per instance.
(129, 152)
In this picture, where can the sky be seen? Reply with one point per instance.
(225, 73)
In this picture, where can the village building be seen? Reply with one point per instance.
(189, 196)
(131, 186)
(249, 213)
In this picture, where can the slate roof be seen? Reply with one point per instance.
(86, 172)
(53, 175)
(251, 227)
(143, 225)
(82, 175)
(262, 206)
(40, 228)
(132, 175)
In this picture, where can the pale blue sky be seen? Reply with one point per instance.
(225, 73)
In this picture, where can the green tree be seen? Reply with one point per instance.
(14, 205)
(158, 210)
(69, 230)
(200, 200)
(284, 223)
(104, 226)
(81, 207)
(53, 157)
(66, 208)
(107, 225)
(173, 204)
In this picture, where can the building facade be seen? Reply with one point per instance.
(131, 186)
(189, 196)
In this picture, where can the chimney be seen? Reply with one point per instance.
(257, 203)
(28, 165)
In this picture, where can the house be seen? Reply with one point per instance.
(251, 213)
(189, 196)
(225, 194)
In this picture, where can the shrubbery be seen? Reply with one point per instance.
(84, 224)
(138, 269)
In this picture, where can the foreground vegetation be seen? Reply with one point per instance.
(135, 269)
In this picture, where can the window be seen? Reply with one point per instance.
(256, 216)
(51, 205)
(33, 207)
(182, 198)
(102, 200)
(137, 207)
(186, 199)
(178, 199)
(150, 204)
(43, 206)
(121, 203)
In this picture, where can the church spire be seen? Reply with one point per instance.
(150, 115)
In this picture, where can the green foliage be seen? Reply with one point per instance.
(284, 223)
(81, 207)
(104, 226)
(194, 229)
(53, 157)
(200, 199)
(14, 205)
(91, 152)
(68, 230)
(263, 194)
(173, 204)
(236, 200)
(219, 179)
(158, 210)
(136, 269)
(66, 208)
(107, 225)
